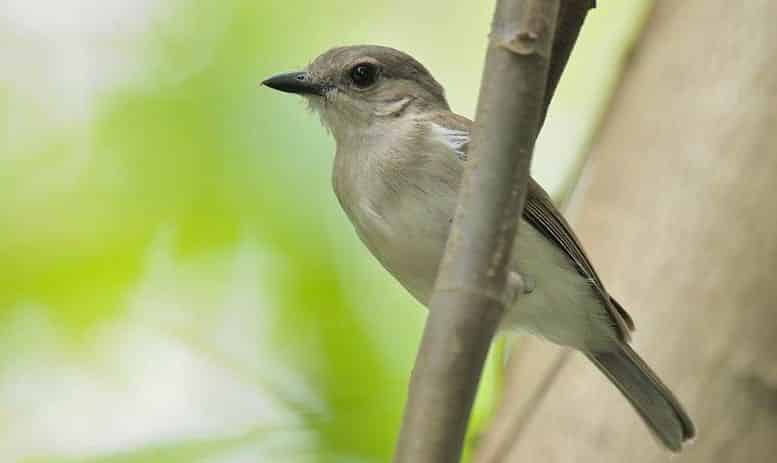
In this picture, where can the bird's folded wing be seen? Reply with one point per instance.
(547, 219)
(541, 213)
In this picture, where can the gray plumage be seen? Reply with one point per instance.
(397, 169)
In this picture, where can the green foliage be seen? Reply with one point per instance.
(193, 146)
(174, 452)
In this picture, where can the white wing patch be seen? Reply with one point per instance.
(455, 139)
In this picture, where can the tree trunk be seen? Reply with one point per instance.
(678, 210)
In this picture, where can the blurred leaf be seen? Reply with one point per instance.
(186, 451)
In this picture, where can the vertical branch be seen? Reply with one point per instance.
(511, 421)
(571, 15)
(467, 303)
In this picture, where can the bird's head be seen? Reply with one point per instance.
(356, 87)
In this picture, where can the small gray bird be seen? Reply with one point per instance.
(397, 169)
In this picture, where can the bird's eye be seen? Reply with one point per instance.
(364, 74)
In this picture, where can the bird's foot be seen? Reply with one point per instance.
(517, 284)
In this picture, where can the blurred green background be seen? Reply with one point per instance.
(177, 282)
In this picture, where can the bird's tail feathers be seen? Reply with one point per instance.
(654, 402)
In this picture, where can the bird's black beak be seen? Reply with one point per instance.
(294, 82)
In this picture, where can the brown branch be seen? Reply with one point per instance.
(503, 437)
(571, 15)
(467, 303)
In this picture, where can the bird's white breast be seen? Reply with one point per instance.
(401, 203)
(401, 210)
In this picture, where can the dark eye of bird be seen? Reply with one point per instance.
(363, 75)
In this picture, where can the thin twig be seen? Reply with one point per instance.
(570, 20)
(466, 306)
(520, 420)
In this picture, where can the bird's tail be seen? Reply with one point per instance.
(654, 402)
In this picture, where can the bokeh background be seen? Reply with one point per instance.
(177, 282)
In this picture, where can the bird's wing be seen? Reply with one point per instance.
(541, 213)
(545, 217)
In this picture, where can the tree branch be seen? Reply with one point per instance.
(467, 303)
(571, 15)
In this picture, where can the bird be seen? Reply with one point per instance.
(398, 164)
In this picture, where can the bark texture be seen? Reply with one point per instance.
(677, 210)
(467, 302)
